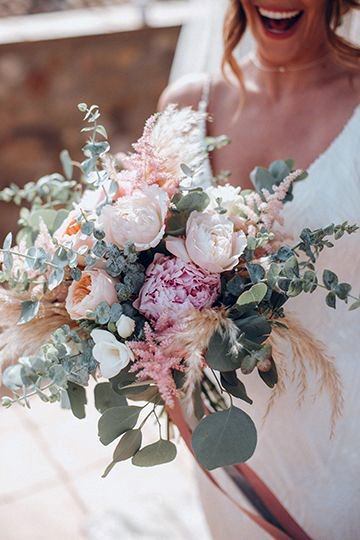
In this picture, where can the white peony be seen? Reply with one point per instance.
(112, 355)
(138, 218)
(211, 242)
(125, 326)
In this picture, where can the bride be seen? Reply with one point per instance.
(297, 95)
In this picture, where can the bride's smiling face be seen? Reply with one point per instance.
(287, 30)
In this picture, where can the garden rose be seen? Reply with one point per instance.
(229, 196)
(83, 297)
(112, 355)
(211, 242)
(69, 232)
(173, 286)
(138, 218)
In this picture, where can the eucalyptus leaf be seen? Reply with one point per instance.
(234, 386)
(176, 224)
(8, 241)
(56, 277)
(256, 272)
(195, 200)
(155, 454)
(279, 169)
(149, 394)
(342, 290)
(255, 295)
(128, 445)
(186, 170)
(106, 397)
(67, 164)
(115, 421)
(331, 300)
(330, 279)
(224, 438)
(219, 355)
(355, 305)
(29, 310)
(270, 377)
(77, 398)
(255, 327)
(47, 215)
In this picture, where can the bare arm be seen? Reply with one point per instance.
(184, 93)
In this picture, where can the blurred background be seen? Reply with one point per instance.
(57, 53)
(53, 55)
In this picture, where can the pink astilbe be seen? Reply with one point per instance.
(170, 139)
(153, 362)
(270, 209)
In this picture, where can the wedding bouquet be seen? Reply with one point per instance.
(169, 291)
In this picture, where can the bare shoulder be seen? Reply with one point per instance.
(185, 92)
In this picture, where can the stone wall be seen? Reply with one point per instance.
(42, 82)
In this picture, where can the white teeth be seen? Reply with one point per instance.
(278, 15)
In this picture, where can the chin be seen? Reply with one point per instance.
(281, 29)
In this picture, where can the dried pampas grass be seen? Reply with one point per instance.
(191, 337)
(308, 353)
(25, 340)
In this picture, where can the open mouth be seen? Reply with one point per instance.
(279, 23)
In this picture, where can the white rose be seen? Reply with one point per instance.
(125, 326)
(138, 218)
(112, 355)
(94, 287)
(210, 242)
(228, 194)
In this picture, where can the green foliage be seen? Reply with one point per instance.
(220, 356)
(270, 377)
(155, 454)
(254, 327)
(107, 398)
(48, 192)
(93, 150)
(182, 206)
(224, 438)
(77, 398)
(29, 310)
(128, 445)
(216, 143)
(273, 176)
(116, 421)
(67, 164)
(254, 295)
(234, 386)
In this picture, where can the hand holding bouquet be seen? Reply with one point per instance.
(171, 291)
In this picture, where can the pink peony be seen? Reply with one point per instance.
(211, 242)
(173, 286)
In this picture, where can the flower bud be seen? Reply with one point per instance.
(125, 326)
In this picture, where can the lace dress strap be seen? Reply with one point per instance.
(205, 95)
(204, 177)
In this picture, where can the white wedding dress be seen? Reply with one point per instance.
(316, 478)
